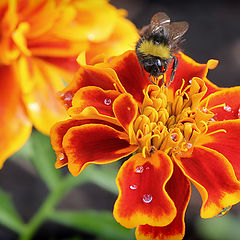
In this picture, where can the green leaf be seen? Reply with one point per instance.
(43, 159)
(8, 215)
(219, 228)
(101, 224)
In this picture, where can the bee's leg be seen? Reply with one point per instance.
(151, 79)
(174, 68)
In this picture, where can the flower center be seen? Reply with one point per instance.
(172, 124)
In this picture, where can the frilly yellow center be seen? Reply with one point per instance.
(172, 127)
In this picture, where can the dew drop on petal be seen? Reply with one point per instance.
(190, 81)
(147, 198)
(212, 119)
(60, 156)
(224, 211)
(189, 145)
(227, 108)
(107, 101)
(133, 187)
(139, 169)
(204, 110)
(239, 113)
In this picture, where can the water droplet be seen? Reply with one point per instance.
(190, 81)
(133, 187)
(147, 198)
(147, 168)
(60, 156)
(239, 113)
(174, 137)
(204, 110)
(224, 211)
(212, 119)
(139, 169)
(107, 101)
(189, 145)
(227, 108)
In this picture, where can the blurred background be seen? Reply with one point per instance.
(214, 33)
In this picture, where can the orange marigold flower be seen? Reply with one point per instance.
(39, 42)
(185, 133)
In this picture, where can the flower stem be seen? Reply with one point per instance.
(48, 206)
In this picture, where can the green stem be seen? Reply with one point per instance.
(48, 206)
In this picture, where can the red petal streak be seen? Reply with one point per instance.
(60, 129)
(231, 98)
(125, 109)
(225, 143)
(187, 69)
(97, 98)
(214, 178)
(178, 188)
(94, 143)
(129, 72)
(88, 76)
(142, 196)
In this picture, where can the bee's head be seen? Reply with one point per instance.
(154, 66)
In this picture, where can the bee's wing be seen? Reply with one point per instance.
(158, 21)
(177, 29)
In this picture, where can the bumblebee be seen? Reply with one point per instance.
(159, 42)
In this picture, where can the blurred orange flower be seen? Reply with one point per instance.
(187, 132)
(39, 42)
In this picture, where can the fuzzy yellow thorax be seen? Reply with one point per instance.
(149, 48)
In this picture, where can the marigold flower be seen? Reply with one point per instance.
(177, 135)
(39, 43)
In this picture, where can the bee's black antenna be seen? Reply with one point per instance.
(151, 79)
(174, 68)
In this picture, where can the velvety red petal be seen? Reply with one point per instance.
(125, 109)
(231, 98)
(129, 72)
(142, 196)
(94, 143)
(15, 125)
(225, 143)
(59, 130)
(179, 190)
(187, 69)
(88, 76)
(96, 97)
(214, 178)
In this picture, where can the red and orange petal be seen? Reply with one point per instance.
(15, 126)
(219, 189)
(96, 97)
(94, 143)
(59, 130)
(130, 74)
(125, 110)
(142, 195)
(225, 143)
(230, 97)
(179, 190)
(40, 82)
(88, 76)
(187, 69)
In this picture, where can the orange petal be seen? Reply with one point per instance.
(95, 97)
(178, 188)
(40, 82)
(129, 72)
(16, 128)
(214, 178)
(88, 76)
(125, 109)
(225, 143)
(231, 98)
(187, 69)
(142, 196)
(94, 143)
